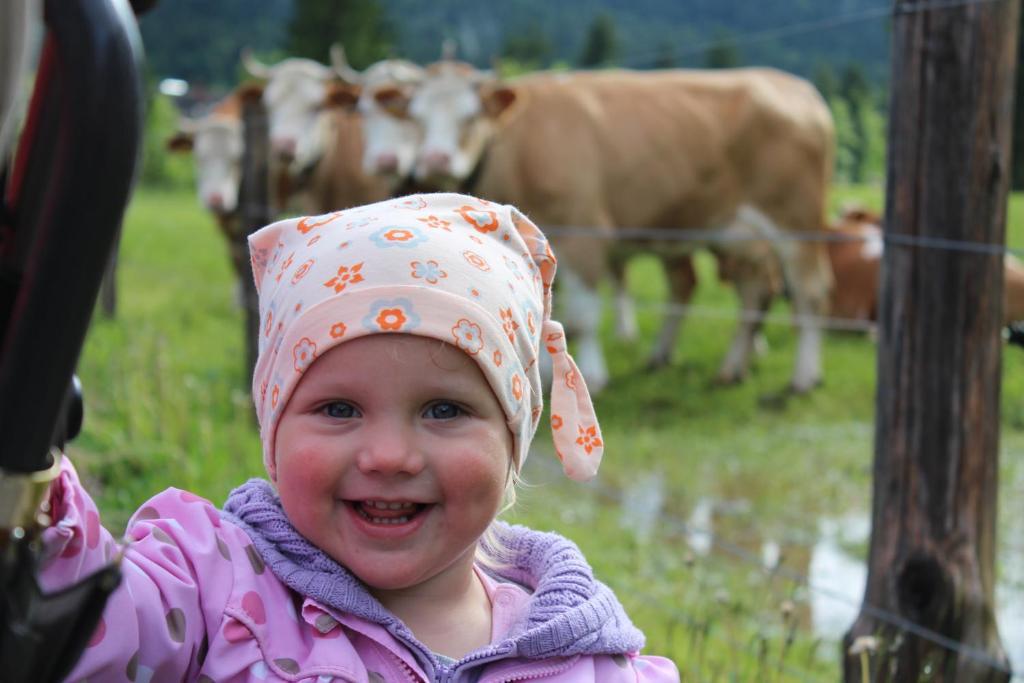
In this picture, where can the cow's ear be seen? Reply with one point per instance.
(179, 142)
(497, 99)
(250, 91)
(393, 100)
(341, 96)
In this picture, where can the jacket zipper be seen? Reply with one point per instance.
(537, 672)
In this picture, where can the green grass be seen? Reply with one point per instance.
(167, 405)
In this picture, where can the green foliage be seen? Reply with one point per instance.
(200, 41)
(724, 54)
(530, 47)
(159, 166)
(359, 25)
(860, 124)
(601, 46)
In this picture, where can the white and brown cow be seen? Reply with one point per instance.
(857, 261)
(746, 151)
(316, 137)
(392, 138)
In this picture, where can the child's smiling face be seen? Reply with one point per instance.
(392, 456)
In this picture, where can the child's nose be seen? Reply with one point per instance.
(391, 449)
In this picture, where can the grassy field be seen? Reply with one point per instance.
(710, 507)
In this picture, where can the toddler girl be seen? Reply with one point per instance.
(397, 391)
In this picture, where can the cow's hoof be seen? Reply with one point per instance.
(724, 380)
(801, 389)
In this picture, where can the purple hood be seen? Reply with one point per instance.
(571, 612)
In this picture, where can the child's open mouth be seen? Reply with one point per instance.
(387, 513)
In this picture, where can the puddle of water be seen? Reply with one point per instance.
(838, 580)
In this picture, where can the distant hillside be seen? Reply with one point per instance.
(199, 40)
(795, 35)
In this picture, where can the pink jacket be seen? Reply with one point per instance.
(198, 603)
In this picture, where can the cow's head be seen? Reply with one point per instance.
(392, 137)
(457, 107)
(216, 145)
(294, 97)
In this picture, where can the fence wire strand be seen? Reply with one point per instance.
(642, 58)
(703, 237)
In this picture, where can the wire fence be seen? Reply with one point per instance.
(643, 58)
(705, 237)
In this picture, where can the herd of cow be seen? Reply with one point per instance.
(741, 158)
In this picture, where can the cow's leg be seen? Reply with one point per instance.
(755, 294)
(682, 280)
(625, 310)
(810, 276)
(582, 316)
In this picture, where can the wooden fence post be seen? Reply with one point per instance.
(932, 551)
(254, 206)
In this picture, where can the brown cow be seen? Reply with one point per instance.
(856, 264)
(746, 151)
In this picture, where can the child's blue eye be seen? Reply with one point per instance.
(340, 410)
(444, 411)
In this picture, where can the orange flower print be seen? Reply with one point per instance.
(589, 438)
(435, 222)
(303, 353)
(391, 315)
(275, 393)
(535, 415)
(509, 324)
(397, 236)
(468, 336)
(270, 320)
(346, 276)
(429, 271)
(481, 219)
(476, 239)
(263, 391)
(497, 357)
(556, 421)
(312, 222)
(530, 324)
(517, 387)
(301, 271)
(285, 265)
(570, 379)
(391, 319)
(476, 260)
(343, 245)
(313, 240)
(413, 204)
(338, 330)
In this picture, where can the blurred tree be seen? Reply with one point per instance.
(666, 57)
(359, 25)
(601, 46)
(723, 54)
(530, 47)
(855, 90)
(199, 40)
(824, 78)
